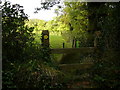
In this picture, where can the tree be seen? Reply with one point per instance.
(110, 26)
(47, 5)
(15, 36)
(75, 17)
(106, 69)
(102, 17)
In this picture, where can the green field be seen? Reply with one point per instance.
(56, 41)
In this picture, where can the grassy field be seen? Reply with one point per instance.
(56, 41)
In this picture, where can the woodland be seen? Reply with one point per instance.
(27, 64)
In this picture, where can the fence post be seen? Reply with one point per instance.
(45, 38)
(63, 45)
(75, 43)
(96, 39)
(45, 45)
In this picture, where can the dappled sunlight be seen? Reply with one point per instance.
(79, 48)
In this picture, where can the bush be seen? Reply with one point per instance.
(32, 74)
(16, 36)
(106, 71)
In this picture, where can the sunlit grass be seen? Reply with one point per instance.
(56, 41)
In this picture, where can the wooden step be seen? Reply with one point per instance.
(71, 67)
(80, 84)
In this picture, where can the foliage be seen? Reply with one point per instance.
(20, 54)
(75, 17)
(110, 26)
(104, 18)
(32, 74)
(72, 22)
(8, 75)
(47, 5)
(28, 65)
(106, 69)
(105, 72)
(15, 36)
(91, 16)
(37, 24)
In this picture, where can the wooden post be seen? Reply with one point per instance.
(75, 43)
(63, 45)
(45, 38)
(97, 37)
(45, 45)
(95, 42)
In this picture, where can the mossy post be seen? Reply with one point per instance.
(45, 38)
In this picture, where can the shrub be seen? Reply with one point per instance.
(106, 71)
(32, 74)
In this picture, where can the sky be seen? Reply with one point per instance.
(30, 5)
(29, 8)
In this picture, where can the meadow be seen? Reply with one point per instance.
(56, 40)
